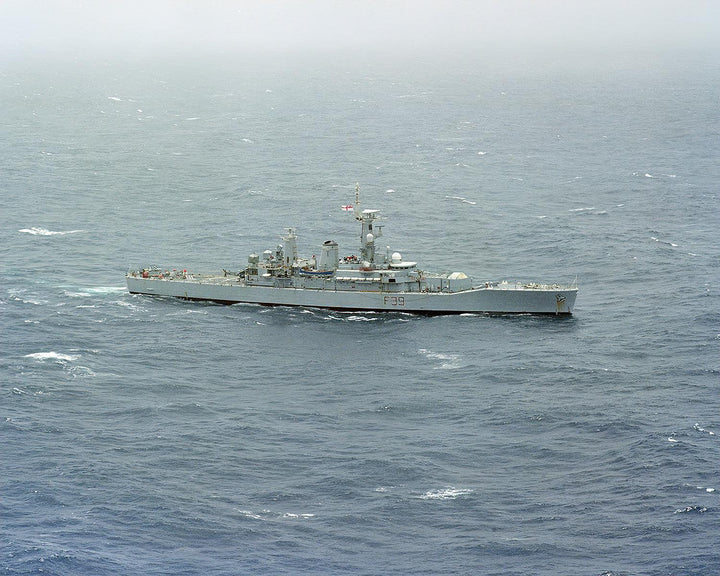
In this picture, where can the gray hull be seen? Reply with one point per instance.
(503, 298)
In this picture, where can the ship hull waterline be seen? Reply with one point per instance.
(491, 299)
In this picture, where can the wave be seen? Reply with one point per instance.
(76, 294)
(94, 291)
(589, 210)
(106, 289)
(270, 515)
(29, 301)
(701, 429)
(703, 488)
(648, 175)
(449, 493)
(691, 509)
(41, 356)
(663, 241)
(81, 372)
(35, 231)
(462, 199)
(448, 361)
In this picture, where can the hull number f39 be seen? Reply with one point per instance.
(394, 301)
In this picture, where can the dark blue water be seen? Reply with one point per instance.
(155, 436)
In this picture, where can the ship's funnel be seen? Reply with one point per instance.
(253, 261)
(329, 256)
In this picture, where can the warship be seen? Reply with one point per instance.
(369, 281)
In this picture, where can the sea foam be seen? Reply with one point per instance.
(52, 356)
(449, 493)
(448, 361)
(35, 231)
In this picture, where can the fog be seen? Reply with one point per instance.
(142, 28)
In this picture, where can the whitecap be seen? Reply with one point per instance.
(448, 361)
(30, 301)
(106, 289)
(127, 304)
(449, 493)
(697, 509)
(701, 429)
(663, 241)
(41, 356)
(482, 153)
(187, 313)
(115, 98)
(36, 231)
(461, 199)
(81, 372)
(250, 514)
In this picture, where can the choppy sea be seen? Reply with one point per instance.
(155, 436)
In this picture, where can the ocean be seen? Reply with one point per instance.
(145, 435)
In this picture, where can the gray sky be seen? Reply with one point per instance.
(151, 26)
